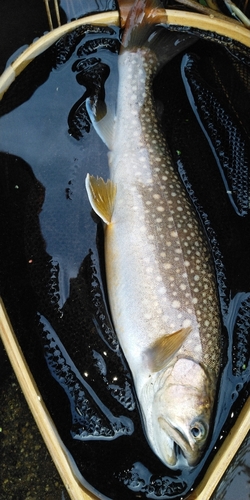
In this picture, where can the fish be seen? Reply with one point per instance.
(160, 275)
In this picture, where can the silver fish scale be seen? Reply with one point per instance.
(177, 274)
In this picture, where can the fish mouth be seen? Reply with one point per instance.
(180, 444)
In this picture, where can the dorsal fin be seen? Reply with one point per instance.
(165, 347)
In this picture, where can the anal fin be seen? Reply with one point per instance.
(101, 195)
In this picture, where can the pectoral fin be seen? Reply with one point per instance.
(101, 196)
(164, 348)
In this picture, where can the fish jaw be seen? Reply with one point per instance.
(179, 418)
(173, 438)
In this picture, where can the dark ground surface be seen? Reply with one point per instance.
(27, 471)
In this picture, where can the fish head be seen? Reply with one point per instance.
(181, 413)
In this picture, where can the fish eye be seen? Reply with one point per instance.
(198, 430)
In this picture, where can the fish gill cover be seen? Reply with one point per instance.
(52, 273)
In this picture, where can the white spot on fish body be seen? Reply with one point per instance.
(186, 323)
(167, 265)
(174, 234)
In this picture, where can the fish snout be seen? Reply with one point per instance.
(177, 446)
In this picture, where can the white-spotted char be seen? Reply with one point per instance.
(160, 277)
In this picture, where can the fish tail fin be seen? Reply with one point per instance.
(146, 27)
(143, 15)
